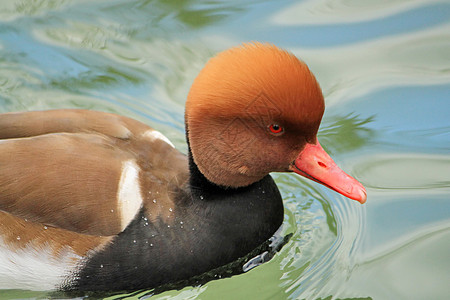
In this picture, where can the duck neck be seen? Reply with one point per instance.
(197, 181)
(257, 207)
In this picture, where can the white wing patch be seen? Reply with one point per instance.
(129, 197)
(153, 135)
(35, 268)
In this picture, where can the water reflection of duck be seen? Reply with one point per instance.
(96, 201)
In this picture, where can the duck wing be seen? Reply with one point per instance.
(78, 170)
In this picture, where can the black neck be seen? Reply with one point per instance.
(198, 182)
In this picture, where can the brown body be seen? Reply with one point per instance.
(61, 169)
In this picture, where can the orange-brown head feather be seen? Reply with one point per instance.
(234, 99)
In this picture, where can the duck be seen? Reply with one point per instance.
(95, 201)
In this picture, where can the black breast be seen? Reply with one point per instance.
(214, 227)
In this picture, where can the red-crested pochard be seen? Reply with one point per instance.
(96, 201)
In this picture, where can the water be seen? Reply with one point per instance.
(384, 67)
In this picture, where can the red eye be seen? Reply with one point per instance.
(276, 129)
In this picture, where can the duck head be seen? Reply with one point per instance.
(256, 109)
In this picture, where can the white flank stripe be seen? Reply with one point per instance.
(153, 135)
(35, 268)
(129, 196)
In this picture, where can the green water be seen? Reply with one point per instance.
(384, 67)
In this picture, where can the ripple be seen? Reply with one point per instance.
(405, 171)
(353, 71)
(344, 11)
(403, 269)
(10, 10)
(327, 236)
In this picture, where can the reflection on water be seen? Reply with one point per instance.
(352, 127)
(319, 12)
(384, 67)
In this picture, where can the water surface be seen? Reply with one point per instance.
(384, 67)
